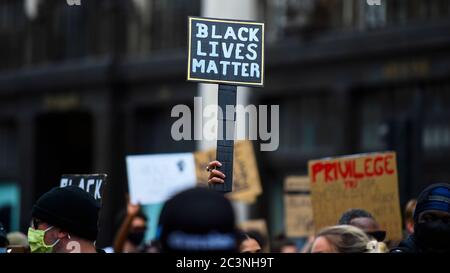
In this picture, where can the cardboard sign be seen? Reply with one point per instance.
(297, 184)
(246, 180)
(298, 213)
(91, 183)
(226, 51)
(153, 179)
(365, 181)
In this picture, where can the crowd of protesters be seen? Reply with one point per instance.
(65, 220)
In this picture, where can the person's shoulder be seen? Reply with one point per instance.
(406, 246)
(400, 250)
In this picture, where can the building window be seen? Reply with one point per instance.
(436, 136)
(307, 124)
(12, 30)
(436, 129)
(51, 31)
(159, 24)
(291, 18)
(372, 126)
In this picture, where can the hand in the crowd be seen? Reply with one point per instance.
(132, 209)
(215, 176)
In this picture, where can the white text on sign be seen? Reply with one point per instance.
(226, 52)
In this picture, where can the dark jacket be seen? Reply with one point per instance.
(409, 245)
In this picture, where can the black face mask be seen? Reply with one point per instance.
(433, 236)
(136, 238)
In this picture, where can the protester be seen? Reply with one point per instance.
(365, 221)
(408, 218)
(64, 220)
(247, 244)
(344, 239)
(197, 220)
(217, 177)
(431, 222)
(306, 248)
(152, 247)
(259, 238)
(131, 234)
(283, 245)
(358, 218)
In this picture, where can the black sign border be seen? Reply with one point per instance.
(220, 20)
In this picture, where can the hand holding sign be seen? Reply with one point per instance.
(215, 176)
(246, 180)
(229, 53)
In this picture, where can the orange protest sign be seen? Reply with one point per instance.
(365, 181)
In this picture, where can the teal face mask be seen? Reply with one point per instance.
(37, 243)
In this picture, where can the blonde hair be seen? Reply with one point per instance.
(409, 210)
(350, 239)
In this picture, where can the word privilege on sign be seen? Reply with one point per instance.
(225, 51)
(347, 168)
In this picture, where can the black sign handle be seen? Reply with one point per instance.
(225, 135)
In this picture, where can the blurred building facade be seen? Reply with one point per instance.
(83, 86)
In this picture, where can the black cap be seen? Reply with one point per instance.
(434, 197)
(71, 209)
(197, 220)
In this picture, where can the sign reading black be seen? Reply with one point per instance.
(91, 183)
(226, 51)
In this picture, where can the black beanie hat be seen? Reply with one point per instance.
(71, 209)
(197, 220)
(434, 197)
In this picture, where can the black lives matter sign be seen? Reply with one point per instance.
(226, 51)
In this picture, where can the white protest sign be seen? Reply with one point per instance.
(155, 178)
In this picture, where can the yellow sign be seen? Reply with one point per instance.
(298, 213)
(365, 181)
